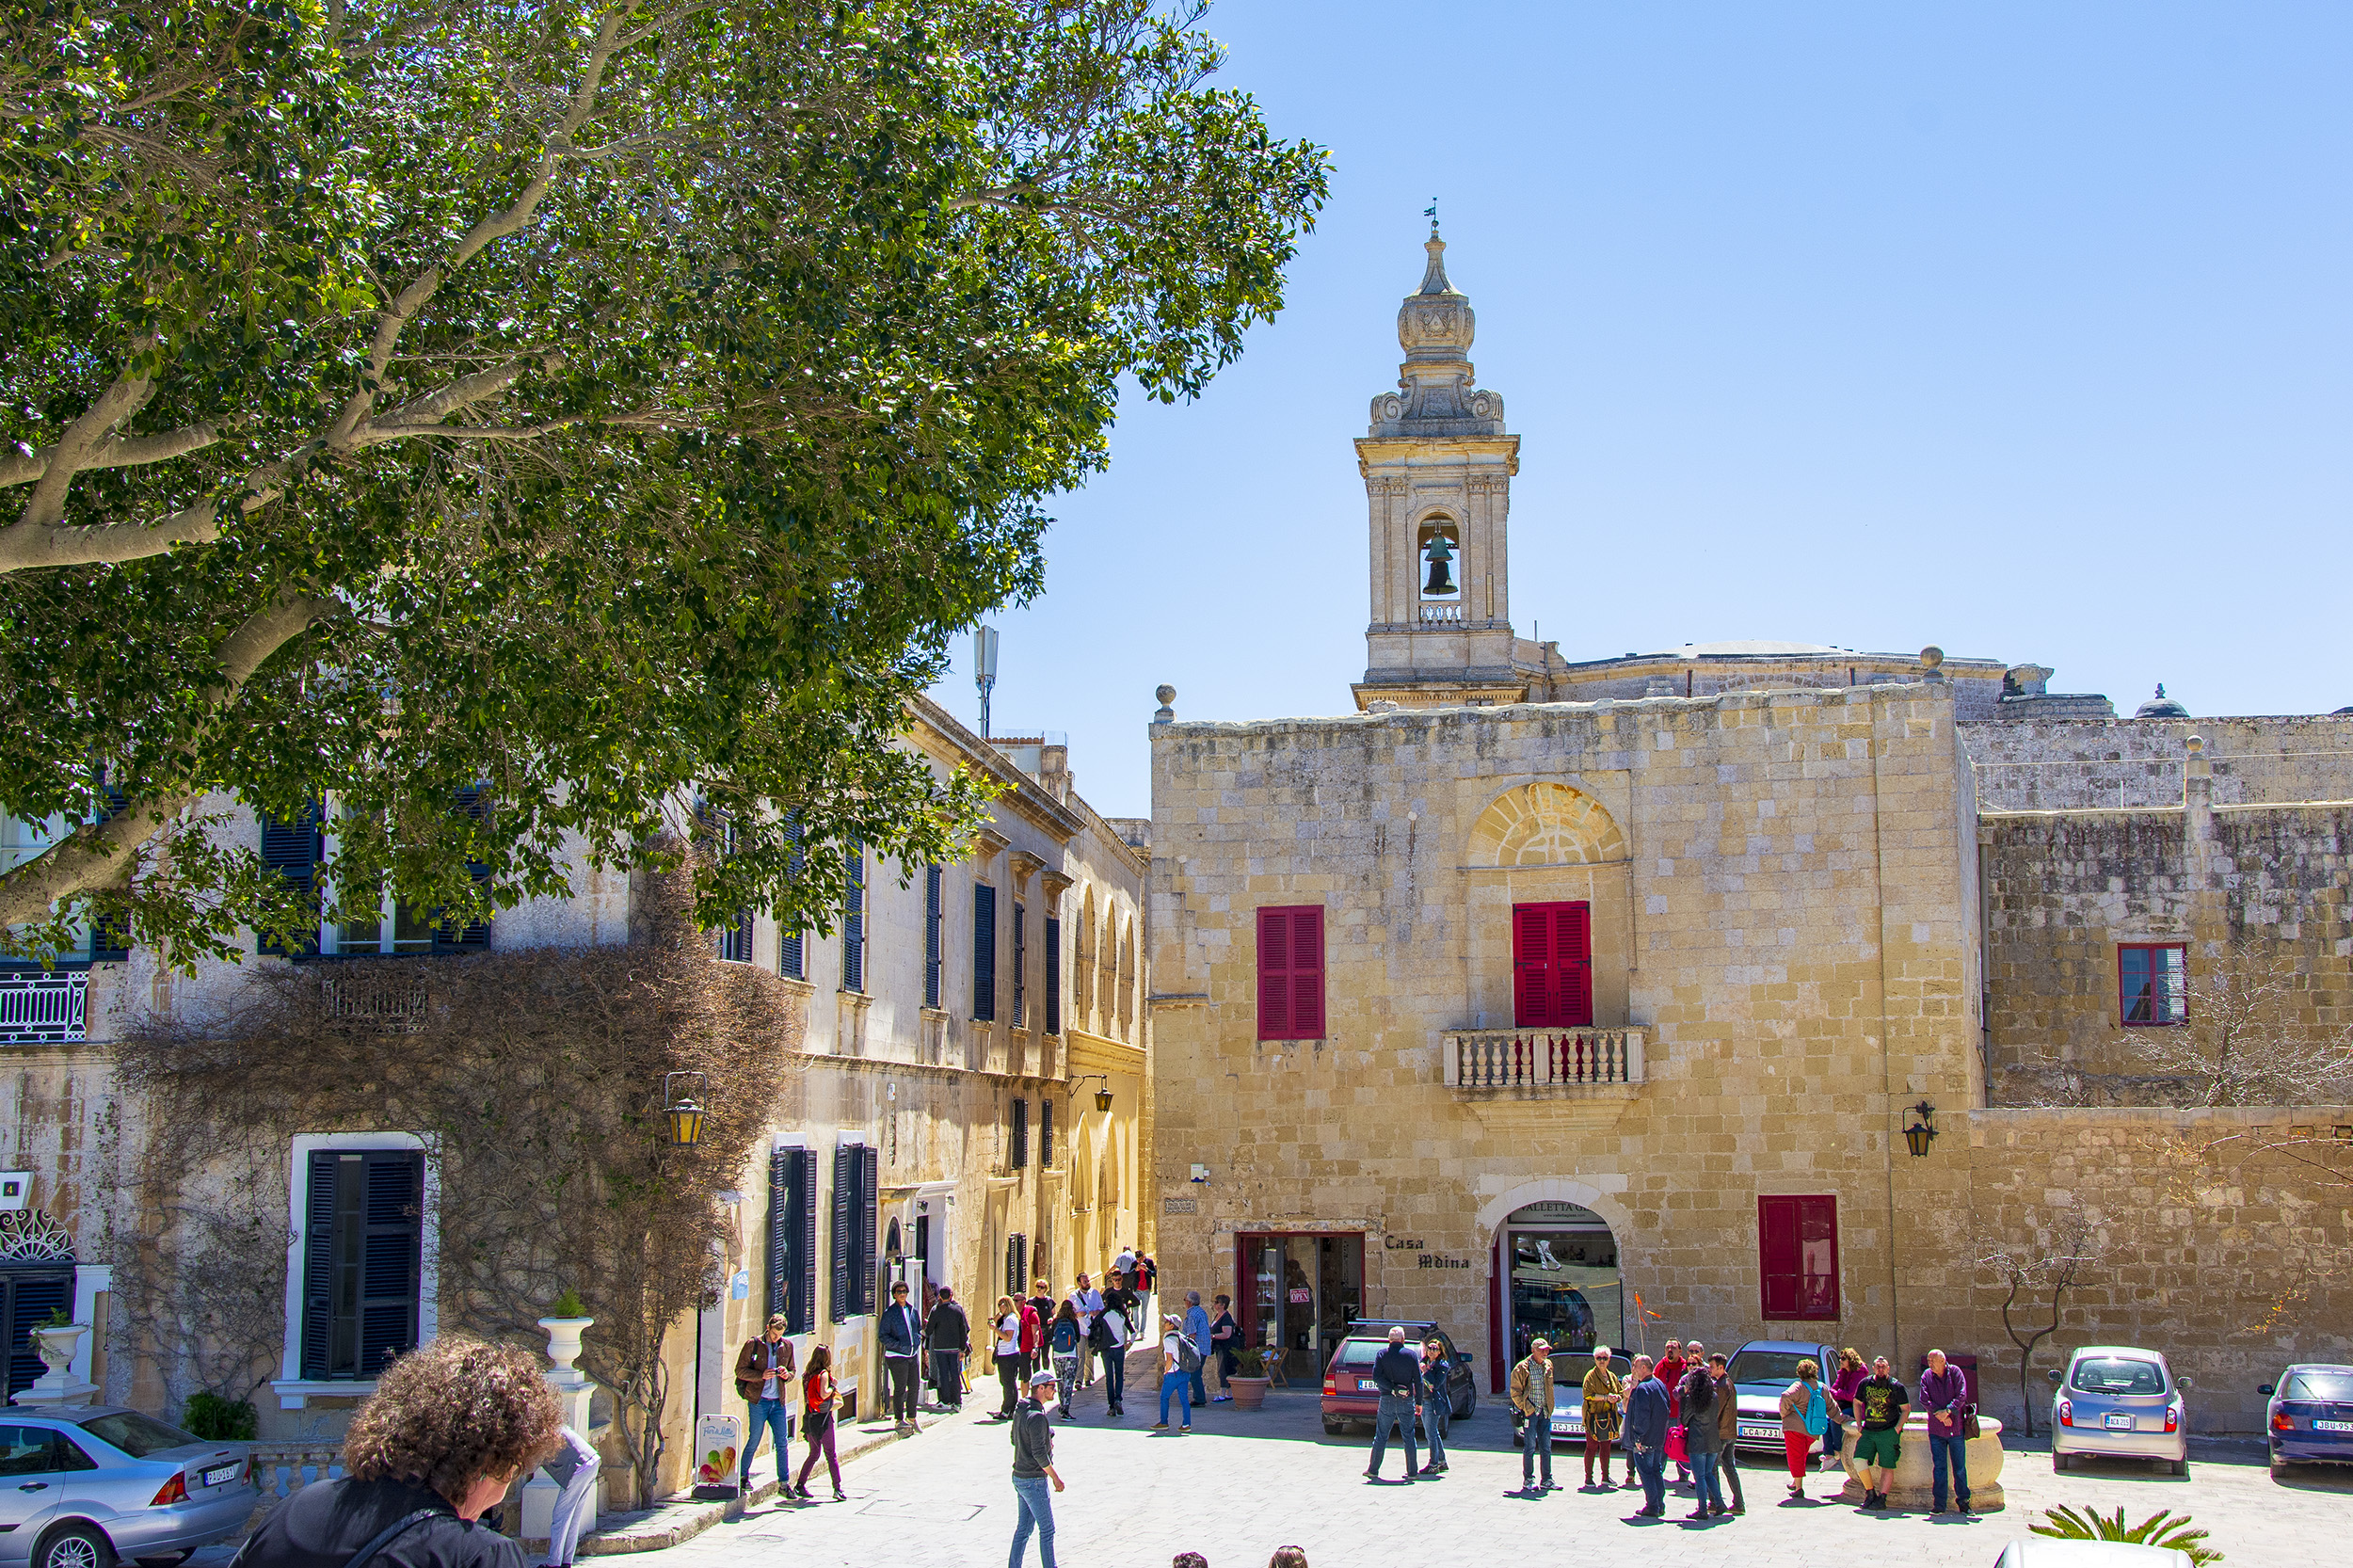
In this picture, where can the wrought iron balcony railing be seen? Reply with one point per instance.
(44, 1007)
(1545, 1061)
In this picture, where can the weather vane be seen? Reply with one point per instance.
(1430, 212)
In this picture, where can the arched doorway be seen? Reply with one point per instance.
(1556, 1274)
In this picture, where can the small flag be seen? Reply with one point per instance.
(1430, 212)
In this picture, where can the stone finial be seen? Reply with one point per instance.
(2196, 744)
(1932, 663)
(1167, 695)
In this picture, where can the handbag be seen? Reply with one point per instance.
(1969, 1427)
(1678, 1450)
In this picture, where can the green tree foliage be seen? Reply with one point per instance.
(607, 404)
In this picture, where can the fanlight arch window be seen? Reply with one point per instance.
(1545, 824)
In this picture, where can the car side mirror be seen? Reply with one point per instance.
(2054, 1375)
(2182, 1384)
(2266, 1390)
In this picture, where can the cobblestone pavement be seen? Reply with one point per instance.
(1241, 1484)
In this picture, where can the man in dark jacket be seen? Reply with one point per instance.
(1397, 1372)
(1034, 1470)
(1699, 1437)
(1727, 1429)
(901, 1333)
(1647, 1436)
(950, 1335)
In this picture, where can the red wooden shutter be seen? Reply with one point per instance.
(1552, 964)
(1797, 1257)
(1291, 972)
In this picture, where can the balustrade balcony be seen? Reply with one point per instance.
(1441, 610)
(1543, 1060)
(44, 1007)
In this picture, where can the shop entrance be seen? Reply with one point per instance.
(1556, 1276)
(1297, 1295)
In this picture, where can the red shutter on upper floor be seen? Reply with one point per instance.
(1291, 972)
(1552, 964)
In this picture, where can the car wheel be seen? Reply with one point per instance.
(2178, 1467)
(2058, 1463)
(74, 1547)
(1335, 1429)
(2279, 1469)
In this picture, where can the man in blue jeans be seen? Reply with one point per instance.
(1646, 1435)
(764, 1375)
(1397, 1372)
(1034, 1481)
(1945, 1394)
(1198, 1330)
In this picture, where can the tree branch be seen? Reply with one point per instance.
(22, 468)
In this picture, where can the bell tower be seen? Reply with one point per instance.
(1438, 468)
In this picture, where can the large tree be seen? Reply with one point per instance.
(604, 403)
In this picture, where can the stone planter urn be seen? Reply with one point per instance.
(1249, 1393)
(55, 1346)
(564, 1342)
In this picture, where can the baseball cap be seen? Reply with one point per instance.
(1039, 1376)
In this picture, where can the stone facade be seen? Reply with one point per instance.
(1823, 909)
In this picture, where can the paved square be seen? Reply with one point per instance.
(1241, 1484)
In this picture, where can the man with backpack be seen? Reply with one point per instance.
(948, 1332)
(1033, 1337)
(1198, 1336)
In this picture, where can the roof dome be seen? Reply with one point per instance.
(2161, 707)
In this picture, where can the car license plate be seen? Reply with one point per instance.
(2332, 1426)
(1760, 1431)
(2120, 1423)
(220, 1473)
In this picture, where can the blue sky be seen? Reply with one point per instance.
(2018, 328)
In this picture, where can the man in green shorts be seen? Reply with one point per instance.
(1880, 1401)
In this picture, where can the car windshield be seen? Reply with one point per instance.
(1778, 1368)
(2116, 1374)
(2335, 1387)
(136, 1434)
(1361, 1353)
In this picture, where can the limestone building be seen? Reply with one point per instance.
(960, 1101)
(1744, 990)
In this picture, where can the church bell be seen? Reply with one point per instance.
(1441, 583)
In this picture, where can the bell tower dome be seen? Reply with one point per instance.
(1438, 467)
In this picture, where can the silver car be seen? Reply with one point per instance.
(2121, 1401)
(81, 1488)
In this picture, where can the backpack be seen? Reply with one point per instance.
(1188, 1355)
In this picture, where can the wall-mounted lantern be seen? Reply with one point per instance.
(1922, 1132)
(685, 1114)
(1102, 1096)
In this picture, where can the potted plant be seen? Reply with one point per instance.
(54, 1340)
(1249, 1383)
(567, 1320)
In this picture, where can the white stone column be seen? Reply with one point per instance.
(572, 1393)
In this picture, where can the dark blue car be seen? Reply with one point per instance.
(2311, 1416)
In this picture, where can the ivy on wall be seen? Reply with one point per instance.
(534, 1076)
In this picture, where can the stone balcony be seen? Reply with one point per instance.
(1543, 1062)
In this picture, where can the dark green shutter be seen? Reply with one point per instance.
(363, 1218)
(845, 1186)
(1045, 1131)
(804, 1310)
(1053, 976)
(1020, 1157)
(473, 803)
(869, 1198)
(853, 924)
(27, 1297)
(1020, 967)
(985, 954)
(780, 1226)
(931, 937)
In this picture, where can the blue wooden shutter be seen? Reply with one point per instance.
(931, 937)
(803, 1308)
(1020, 1160)
(791, 958)
(318, 1244)
(1020, 967)
(292, 850)
(844, 1185)
(983, 953)
(780, 1226)
(29, 1296)
(1053, 976)
(853, 924)
(1045, 1131)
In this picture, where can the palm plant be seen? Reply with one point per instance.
(2158, 1530)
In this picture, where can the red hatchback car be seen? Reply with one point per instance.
(1350, 1395)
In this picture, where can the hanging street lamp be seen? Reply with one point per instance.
(685, 1115)
(1922, 1132)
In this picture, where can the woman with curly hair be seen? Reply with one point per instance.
(449, 1428)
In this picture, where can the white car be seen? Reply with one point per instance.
(2121, 1401)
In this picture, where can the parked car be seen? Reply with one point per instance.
(81, 1488)
(2121, 1401)
(2038, 1551)
(2310, 1419)
(1761, 1370)
(1350, 1395)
